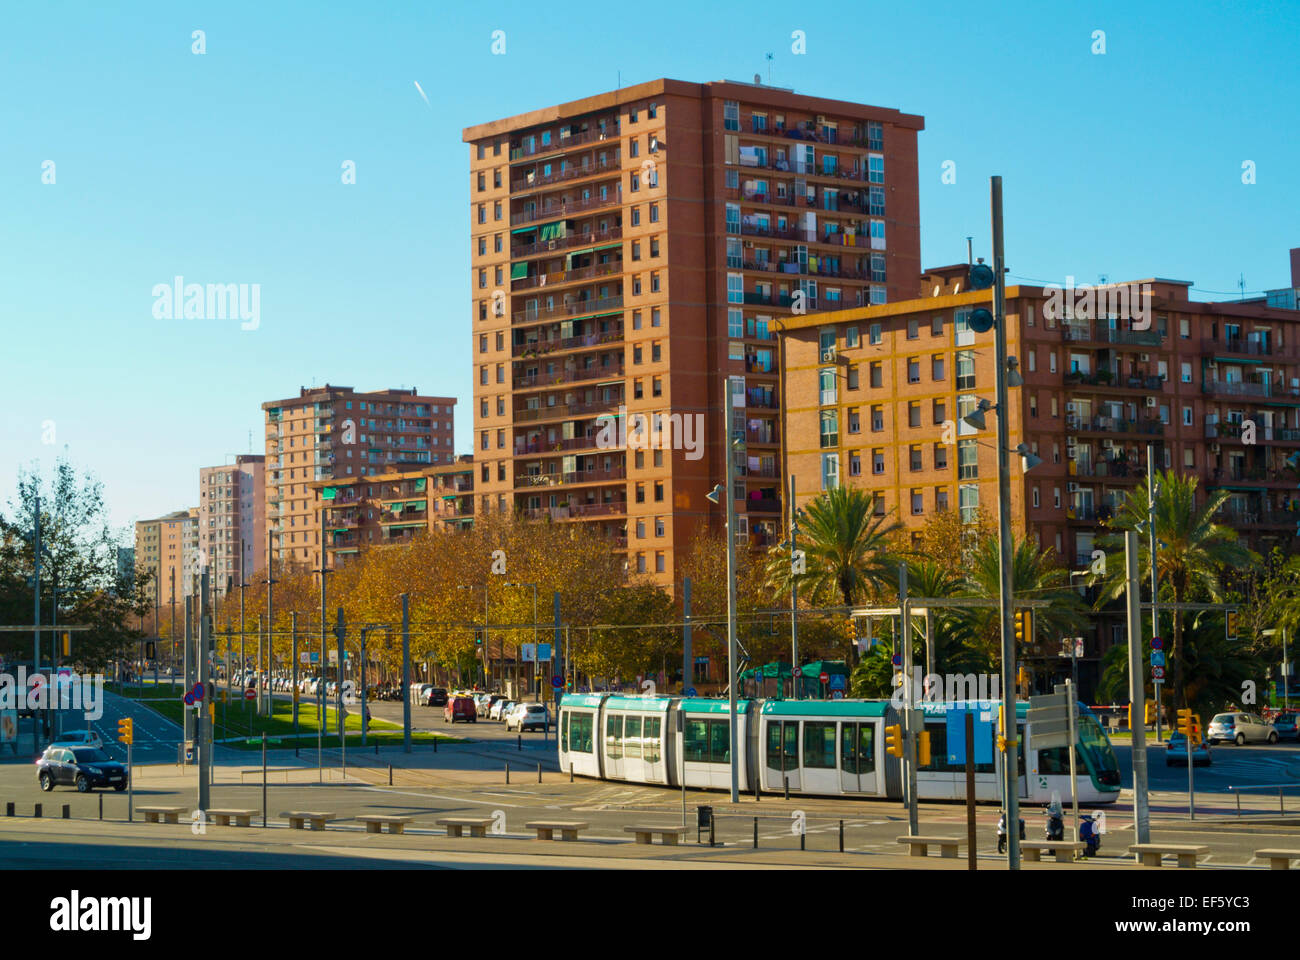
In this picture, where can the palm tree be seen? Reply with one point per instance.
(1035, 575)
(845, 545)
(1193, 551)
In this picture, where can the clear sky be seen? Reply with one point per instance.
(226, 167)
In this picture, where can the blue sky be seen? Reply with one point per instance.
(225, 168)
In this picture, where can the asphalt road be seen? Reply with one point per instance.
(1230, 765)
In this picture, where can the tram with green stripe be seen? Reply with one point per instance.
(816, 747)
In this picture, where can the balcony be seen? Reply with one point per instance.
(567, 276)
(540, 348)
(565, 411)
(534, 181)
(1254, 475)
(569, 208)
(1263, 434)
(566, 143)
(406, 516)
(1245, 346)
(1252, 516)
(1109, 469)
(762, 505)
(567, 479)
(755, 365)
(555, 446)
(766, 435)
(1223, 388)
(1083, 333)
(1115, 425)
(1106, 380)
(568, 376)
(564, 243)
(568, 308)
(578, 511)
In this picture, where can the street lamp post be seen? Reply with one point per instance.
(487, 654)
(536, 690)
(719, 494)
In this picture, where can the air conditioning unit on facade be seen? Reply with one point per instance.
(1070, 408)
(828, 356)
(1108, 444)
(1069, 441)
(1072, 488)
(1145, 357)
(1214, 448)
(1151, 402)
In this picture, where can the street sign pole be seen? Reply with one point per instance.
(1136, 691)
(203, 732)
(909, 726)
(1074, 782)
(406, 672)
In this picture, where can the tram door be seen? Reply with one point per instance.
(782, 754)
(858, 757)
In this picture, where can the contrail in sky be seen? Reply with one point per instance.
(421, 89)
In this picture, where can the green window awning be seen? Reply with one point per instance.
(518, 271)
(552, 231)
(528, 229)
(1237, 360)
(832, 667)
(329, 493)
(419, 484)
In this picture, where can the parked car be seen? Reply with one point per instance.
(1176, 751)
(459, 708)
(527, 716)
(499, 709)
(1286, 726)
(436, 697)
(79, 738)
(1241, 728)
(82, 767)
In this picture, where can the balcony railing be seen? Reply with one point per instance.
(569, 208)
(556, 446)
(1117, 469)
(609, 164)
(1115, 425)
(1082, 333)
(567, 276)
(538, 348)
(1257, 516)
(577, 511)
(1246, 347)
(1106, 379)
(1263, 434)
(568, 376)
(568, 308)
(564, 479)
(763, 505)
(1225, 388)
(563, 243)
(564, 143)
(565, 411)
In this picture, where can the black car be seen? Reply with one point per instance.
(82, 767)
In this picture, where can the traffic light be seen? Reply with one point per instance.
(853, 630)
(894, 740)
(1234, 620)
(66, 644)
(1002, 740)
(1025, 626)
(923, 749)
(125, 731)
(1150, 711)
(1185, 722)
(150, 650)
(478, 638)
(1022, 677)
(1196, 729)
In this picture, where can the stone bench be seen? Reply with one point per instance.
(242, 818)
(1064, 849)
(1151, 853)
(546, 829)
(478, 826)
(160, 814)
(1278, 859)
(920, 846)
(299, 818)
(375, 823)
(645, 833)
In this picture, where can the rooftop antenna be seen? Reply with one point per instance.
(1101, 279)
(1241, 285)
(970, 253)
(770, 58)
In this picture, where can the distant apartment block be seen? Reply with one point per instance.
(232, 516)
(167, 548)
(337, 433)
(392, 507)
(631, 250)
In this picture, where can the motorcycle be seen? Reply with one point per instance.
(1002, 831)
(1089, 834)
(1054, 829)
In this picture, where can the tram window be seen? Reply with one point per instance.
(564, 731)
(719, 741)
(863, 758)
(614, 737)
(652, 727)
(1056, 762)
(696, 740)
(632, 737)
(580, 731)
(792, 746)
(819, 746)
(848, 749)
(774, 744)
(939, 750)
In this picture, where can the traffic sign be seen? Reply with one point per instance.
(557, 681)
(1157, 643)
(1157, 673)
(689, 692)
(250, 694)
(839, 682)
(824, 677)
(1157, 658)
(898, 660)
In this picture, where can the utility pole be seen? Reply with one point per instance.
(338, 689)
(243, 662)
(1151, 553)
(1136, 693)
(406, 673)
(203, 732)
(171, 629)
(1010, 766)
(728, 416)
(293, 627)
(909, 706)
(187, 665)
(270, 630)
(794, 596)
(36, 616)
(363, 686)
(688, 665)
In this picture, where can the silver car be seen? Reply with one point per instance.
(1240, 728)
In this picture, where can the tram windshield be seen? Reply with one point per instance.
(1097, 751)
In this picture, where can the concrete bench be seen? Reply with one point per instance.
(1278, 859)
(375, 823)
(546, 829)
(1064, 849)
(1150, 853)
(298, 819)
(478, 826)
(920, 846)
(645, 833)
(242, 818)
(160, 814)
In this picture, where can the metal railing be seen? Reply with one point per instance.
(1248, 787)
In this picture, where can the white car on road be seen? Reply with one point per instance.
(526, 716)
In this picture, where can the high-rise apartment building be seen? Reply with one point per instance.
(232, 513)
(875, 398)
(167, 548)
(392, 507)
(630, 251)
(331, 432)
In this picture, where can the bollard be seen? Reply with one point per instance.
(539, 773)
(9, 809)
(376, 749)
(520, 741)
(435, 743)
(756, 833)
(101, 806)
(841, 836)
(787, 788)
(507, 773)
(67, 811)
(571, 771)
(803, 838)
(390, 774)
(37, 811)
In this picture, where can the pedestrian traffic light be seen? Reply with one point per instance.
(923, 749)
(150, 650)
(1234, 620)
(125, 731)
(1185, 722)
(1022, 677)
(894, 740)
(1150, 711)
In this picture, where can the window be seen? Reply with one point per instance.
(731, 115)
(940, 498)
(654, 316)
(913, 328)
(940, 411)
(830, 434)
(654, 213)
(876, 334)
(878, 461)
(877, 374)
(735, 288)
(940, 456)
(1184, 328)
(1051, 361)
(853, 377)
(914, 413)
(965, 370)
(830, 471)
(877, 419)
(636, 216)
(707, 741)
(936, 367)
(1033, 360)
(967, 460)
(914, 458)
(1187, 373)
(968, 502)
(918, 502)
(819, 745)
(850, 337)
(913, 369)
(875, 168)
(1187, 417)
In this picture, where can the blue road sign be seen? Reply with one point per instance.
(557, 681)
(983, 732)
(1157, 658)
(898, 660)
(837, 682)
(689, 692)
(543, 651)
